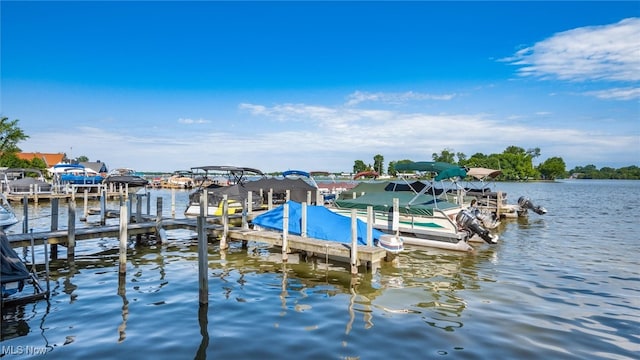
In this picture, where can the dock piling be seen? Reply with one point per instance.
(86, 206)
(369, 225)
(71, 226)
(161, 234)
(225, 222)
(285, 232)
(25, 215)
(203, 260)
(123, 236)
(54, 224)
(354, 242)
(303, 225)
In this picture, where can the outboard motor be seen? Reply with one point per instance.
(467, 221)
(526, 204)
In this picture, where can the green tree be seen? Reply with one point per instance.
(391, 170)
(446, 155)
(553, 168)
(82, 158)
(462, 158)
(10, 136)
(378, 163)
(359, 166)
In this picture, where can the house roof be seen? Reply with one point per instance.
(98, 166)
(48, 158)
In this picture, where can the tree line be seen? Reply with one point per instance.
(516, 164)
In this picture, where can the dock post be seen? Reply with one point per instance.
(309, 197)
(249, 203)
(54, 224)
(161, 234)
(270, 199)
(287, 195)
(246, 204)
(173, 203)
(86, 206)
(285, 232)
(303, 224)
(138, 208)
(354, 242)
(138, 214)
(204, 203)
(25, 214)
(71, 242)
(123, 236)
(203, 260)
(395, 221)
(129, 202)
(370, 225)
(499, 205)
(225, 222)
(245, 223)
(103, 206)
(148, 194)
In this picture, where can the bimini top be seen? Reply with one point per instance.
(296, 173)
(483, 173)
(444, 170)
(225, 168)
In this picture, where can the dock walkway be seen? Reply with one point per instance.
(369, 255)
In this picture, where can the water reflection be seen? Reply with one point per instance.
(122, 292)
(203, 320)
(16, 319)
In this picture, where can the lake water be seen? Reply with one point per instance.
(564, 285)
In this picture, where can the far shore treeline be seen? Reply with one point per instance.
(515, 162)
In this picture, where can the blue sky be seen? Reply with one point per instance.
(163, 86)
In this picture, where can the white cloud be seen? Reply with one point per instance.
(628, 93)
(392, 98)
(331, 139)
(188, 121)
(600, 53)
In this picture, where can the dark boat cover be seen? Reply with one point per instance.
(298, 189)
(322, 223)
(13, 269)
(131, 180)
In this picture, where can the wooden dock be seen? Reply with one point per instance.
(207, 229)
(370, 256)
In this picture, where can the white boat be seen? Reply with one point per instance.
(180, 180)
(66, 176)
(125, 178)
(496, 202)
(419, 211)
(8, 216)
(218, 181)
(24, 181)
(453, 228)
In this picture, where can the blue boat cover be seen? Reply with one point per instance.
(322, 223)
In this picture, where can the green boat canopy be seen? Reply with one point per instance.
(444, 170)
